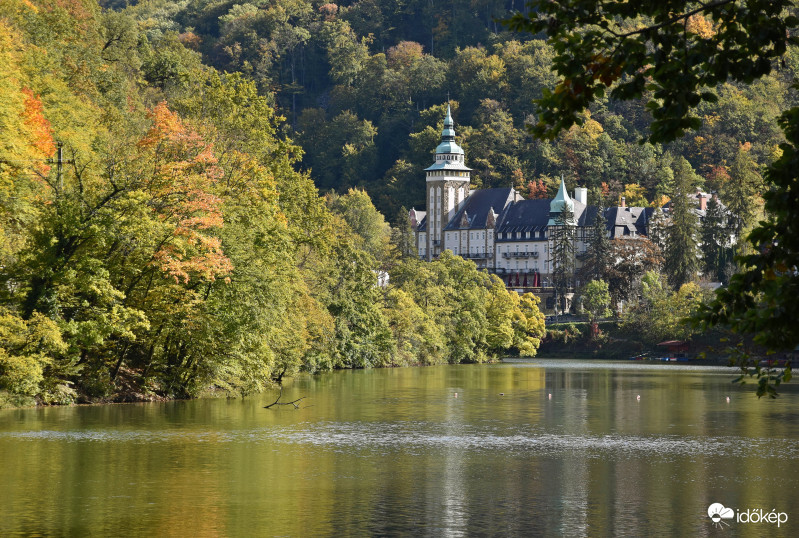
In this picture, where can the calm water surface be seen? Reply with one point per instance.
(395, 452)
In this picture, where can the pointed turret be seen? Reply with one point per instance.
(448, 134)
(556, 206)
(448, 148)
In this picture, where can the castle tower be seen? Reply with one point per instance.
(447, 187)
(559, 203)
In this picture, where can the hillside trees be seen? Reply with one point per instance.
(177, 247)
(384, 65)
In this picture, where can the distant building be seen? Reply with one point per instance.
(500, 230)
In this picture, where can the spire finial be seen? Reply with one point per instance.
(449, 132)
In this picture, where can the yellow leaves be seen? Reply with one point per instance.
(775, 152)
(634, 195)
(699, 25)
(661, 201)
(26, 347)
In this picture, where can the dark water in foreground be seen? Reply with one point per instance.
(394, 452)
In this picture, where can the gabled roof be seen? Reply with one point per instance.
(624, 221)
(417, 217)
(525, 216)
(478, 205)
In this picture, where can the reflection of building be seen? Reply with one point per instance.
(501, 231)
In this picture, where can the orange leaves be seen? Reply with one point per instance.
(199, 255)
(182, 194)
(537, 190)
(166, 126)
(604, 68)
(39, 126)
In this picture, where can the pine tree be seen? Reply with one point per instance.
(713, 232)
(597, 257)
(681, 254)
(740, 192)
(657, 228)
(563, 235)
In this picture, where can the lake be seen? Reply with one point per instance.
(538, 447)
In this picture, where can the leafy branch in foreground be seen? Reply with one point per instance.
(676, 52)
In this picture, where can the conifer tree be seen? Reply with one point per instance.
(563, 256)
(713, 233)
(681, 253)
(402, 237)
(740, 192)
(597, 257)
(657, 228)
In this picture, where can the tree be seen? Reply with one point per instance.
(715, 239)
(682, 249)
(597, 259)
(528, 324)
(658, 228)
(661, 313)
(601, 45)
(403, 240)
(740, 192)
(562, 252)
(634, 195)
(631, 259)
(596, 301)
(373, 232)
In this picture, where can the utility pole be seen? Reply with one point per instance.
(59, 162)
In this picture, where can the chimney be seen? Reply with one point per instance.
(623, 201)
(703, 201)
(581, 195)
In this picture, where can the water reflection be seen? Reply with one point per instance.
(389, 452)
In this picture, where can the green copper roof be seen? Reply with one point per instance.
(448, 144)
(558, 203)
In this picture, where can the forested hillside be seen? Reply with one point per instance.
(363, 84)
(158, 237)
(180, 242)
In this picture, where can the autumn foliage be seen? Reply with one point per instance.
(182, 190)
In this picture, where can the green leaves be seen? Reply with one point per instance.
(675, 50)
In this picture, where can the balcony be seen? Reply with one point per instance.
(436, 242)
(478, 255)
(508, 255)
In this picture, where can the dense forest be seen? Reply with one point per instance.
(192, 192)
(363, 86)
(159, 237)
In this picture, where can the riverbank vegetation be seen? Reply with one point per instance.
(159, 237)
(192, 192)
